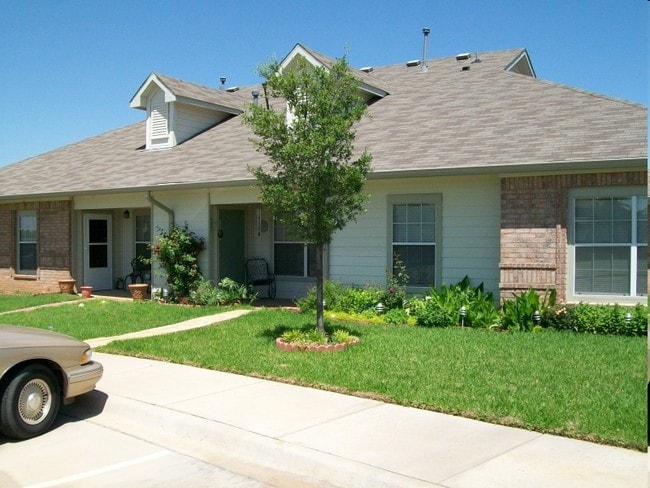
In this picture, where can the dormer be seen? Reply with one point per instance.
(370, 86)
(178, 110)
(522, 65)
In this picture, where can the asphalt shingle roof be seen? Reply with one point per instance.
(445, 120)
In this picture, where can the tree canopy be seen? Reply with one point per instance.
(313, 184)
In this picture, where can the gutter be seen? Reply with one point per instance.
(166, 209)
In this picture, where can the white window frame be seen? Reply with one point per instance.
(305, 252)
(632, 192)
(420, 198)
(19, 241)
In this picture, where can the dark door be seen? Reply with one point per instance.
(231, 235)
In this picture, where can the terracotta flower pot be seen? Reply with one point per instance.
(138, 290)
(86, 291)
(67, 286)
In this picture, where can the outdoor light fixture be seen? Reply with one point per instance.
(463, 314)
(628, 318)
(126, 214)
(379, 308)
(537, 317)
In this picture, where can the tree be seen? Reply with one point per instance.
(313, 184)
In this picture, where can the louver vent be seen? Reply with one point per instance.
(159, 117)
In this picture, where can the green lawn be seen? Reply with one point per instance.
(25, 300)
(577, 385)
(87, 319)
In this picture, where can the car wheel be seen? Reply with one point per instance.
(30, 403)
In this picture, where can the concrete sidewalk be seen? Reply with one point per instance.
(169, 329)
(298, 436)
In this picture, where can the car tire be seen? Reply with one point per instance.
(30, 403)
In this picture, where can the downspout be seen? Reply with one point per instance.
(166, 209)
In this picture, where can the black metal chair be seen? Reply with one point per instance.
(258, 274)
(138, 271)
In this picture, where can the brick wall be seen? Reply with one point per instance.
(54, 247)
(534, 228)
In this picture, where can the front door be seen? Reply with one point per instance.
(231, 236)
(97, 251)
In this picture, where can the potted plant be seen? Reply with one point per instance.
(67, 286)
(138, 290)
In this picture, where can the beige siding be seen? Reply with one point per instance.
(190, 121)
(360, 253)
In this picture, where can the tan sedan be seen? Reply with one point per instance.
(39, 370)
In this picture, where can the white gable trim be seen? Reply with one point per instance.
(141, 97)
(522, 65)
(299, 50)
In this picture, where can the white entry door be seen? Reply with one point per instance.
(97, 252)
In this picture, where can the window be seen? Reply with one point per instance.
(27, 240)
(292, 257)
(142, 238)
(610, 243)
(414, 230)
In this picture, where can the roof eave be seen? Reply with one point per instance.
(563, 167)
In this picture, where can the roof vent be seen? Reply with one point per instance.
(424, 68)
(412, 63)
(223, 83)
(232, 89)
(465, 68)
(366, 69)
(463, 56)
(256, 96)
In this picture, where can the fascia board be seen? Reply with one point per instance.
(209, 106)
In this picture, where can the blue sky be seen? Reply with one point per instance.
(69, 68)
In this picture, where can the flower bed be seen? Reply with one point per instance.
(292, 346)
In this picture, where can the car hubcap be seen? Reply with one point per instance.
(35, 402)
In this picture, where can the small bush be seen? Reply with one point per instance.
(304, 337)
(313, 336)
(394, 297)
(332, 292)
(359, 300)
(177, 253)
(396, 316)
(598, 319)
(432, 314)
(227, 292)
(525, 311)
(479, 307)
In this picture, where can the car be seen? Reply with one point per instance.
(40, 370)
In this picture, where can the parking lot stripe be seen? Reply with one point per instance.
(107, 469)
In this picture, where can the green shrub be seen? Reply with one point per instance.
(394, 297)
(396, 316)
(331, 293)
(479, 307)
(340, 336)
(227, 292)
(433, 314)
(177, 253)
(525, 311)
(205, 294)
(359, 300)
(598, 319)
(305, 337)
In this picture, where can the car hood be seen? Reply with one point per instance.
(15, 336)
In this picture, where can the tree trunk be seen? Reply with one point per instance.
(320, 322)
